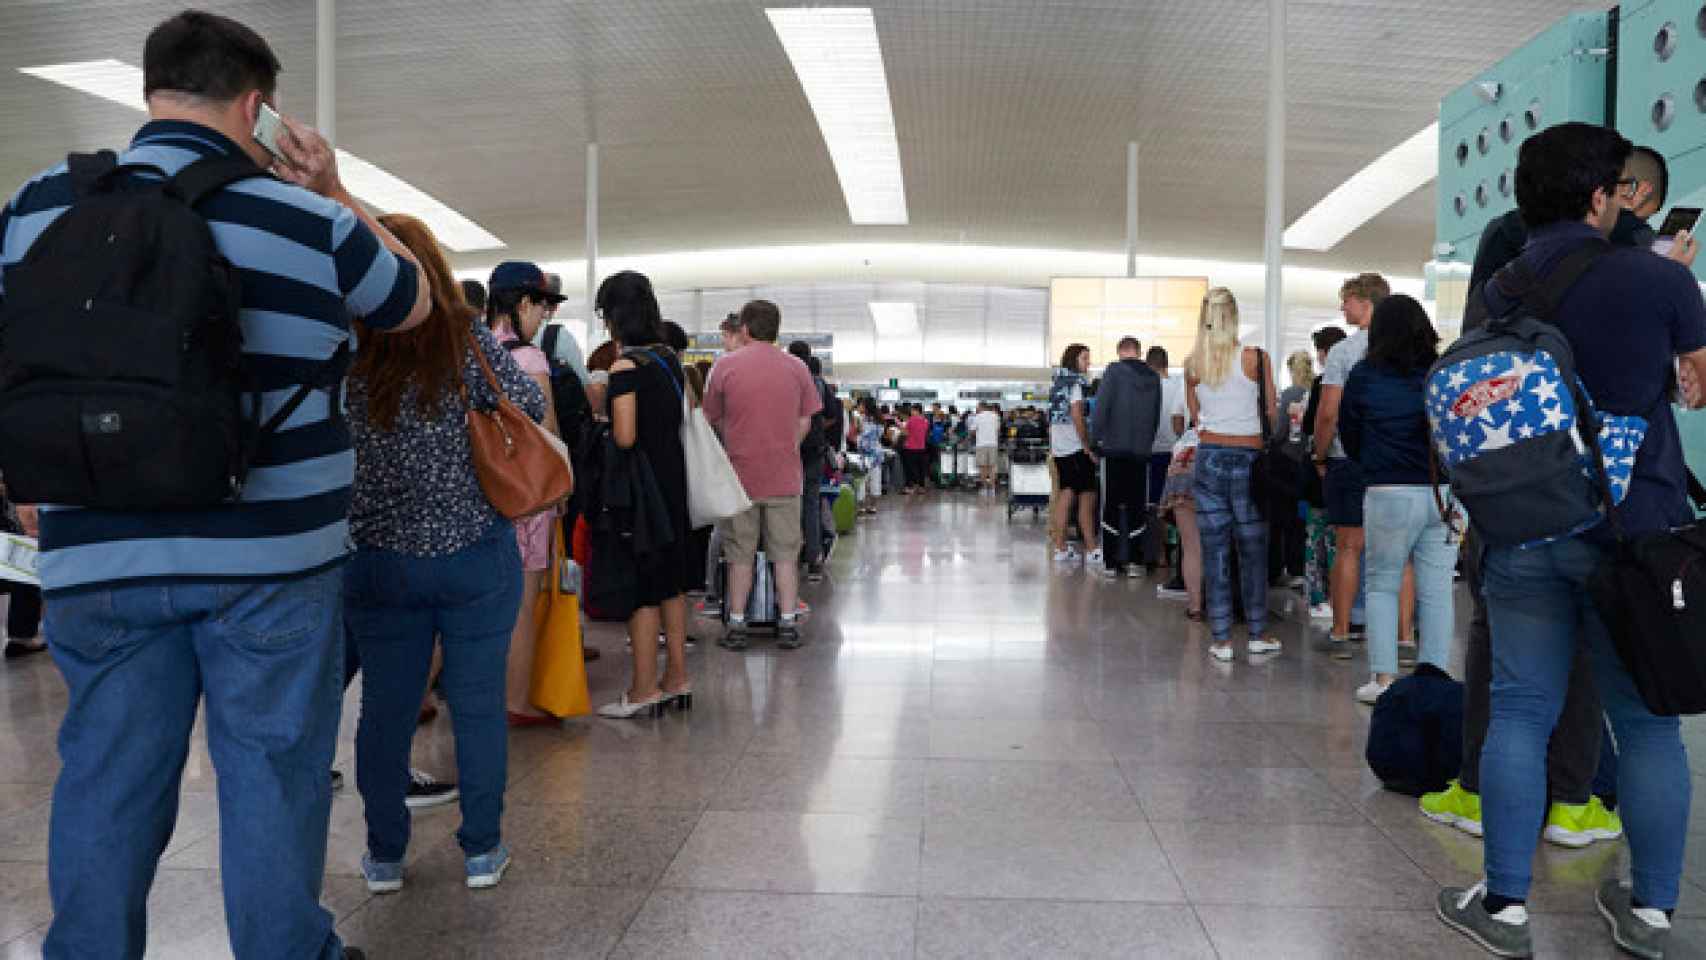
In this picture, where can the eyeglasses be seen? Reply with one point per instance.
(1628, 185)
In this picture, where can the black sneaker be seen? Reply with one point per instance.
(788, 633)
(354, 953)
(734, 638)
(814, 573)
(425, 792)
(1359, 633)
(337, 780)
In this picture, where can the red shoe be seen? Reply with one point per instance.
(525, 720)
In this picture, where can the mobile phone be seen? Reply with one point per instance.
(1678, 220)
(268, 126)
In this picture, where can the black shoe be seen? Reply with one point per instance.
(735, 636)
(814, 573)
(1359, 633)
(425, 792)
(24, 648)
(353, 953)
(337, 780)
(1176, 585)
(788, 634)
(589, 654)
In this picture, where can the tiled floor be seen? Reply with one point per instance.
(974, 757)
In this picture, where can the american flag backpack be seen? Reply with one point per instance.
(1513, 426)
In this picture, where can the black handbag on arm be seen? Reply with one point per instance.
(1651, 594)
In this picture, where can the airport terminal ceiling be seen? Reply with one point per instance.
(1011, 115)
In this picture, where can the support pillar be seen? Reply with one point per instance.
(1273, 292)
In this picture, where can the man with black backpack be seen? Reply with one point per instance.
(820, 442)
(1504, 403)
(197, 551)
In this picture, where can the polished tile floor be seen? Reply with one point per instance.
(974, 757)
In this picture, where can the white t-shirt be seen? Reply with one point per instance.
(1063, 437)
(1345, 355)
(987, 426)
(1172, 404)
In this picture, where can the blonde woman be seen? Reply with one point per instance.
(1227, 388)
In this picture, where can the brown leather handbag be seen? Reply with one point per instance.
(522, 468)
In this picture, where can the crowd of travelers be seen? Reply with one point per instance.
(366, 529)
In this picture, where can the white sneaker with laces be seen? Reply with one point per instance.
(1259, 647)
(1068, 555)
(1370, 692)
(1221, 652)
(1321, 611)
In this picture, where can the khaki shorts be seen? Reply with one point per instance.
(988, 457)
(778, 518)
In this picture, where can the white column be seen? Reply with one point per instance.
(1131, 209)
(594, 334)
(326, 69)
(1273, 293)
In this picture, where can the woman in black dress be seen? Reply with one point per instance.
(646, 390)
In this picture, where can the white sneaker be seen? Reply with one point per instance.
(1370, 692)
(1095, 557)
(1321, 611)
(1221, 652)
(1258, 647)
(1069, 555)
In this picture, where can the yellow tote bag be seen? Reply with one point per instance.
(559, 667)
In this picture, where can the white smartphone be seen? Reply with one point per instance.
(1678, 220)
(268, 126)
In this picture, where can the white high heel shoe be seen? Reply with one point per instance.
(625, 709)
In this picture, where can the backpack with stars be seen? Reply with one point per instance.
(1513, 426)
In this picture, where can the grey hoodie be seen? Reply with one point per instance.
(1128, 409)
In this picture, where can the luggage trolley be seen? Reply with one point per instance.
(1028, 482)
(966, 457)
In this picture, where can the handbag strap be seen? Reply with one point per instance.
(1262, 395)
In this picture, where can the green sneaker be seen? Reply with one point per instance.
(1454, 807)
(1577, 825)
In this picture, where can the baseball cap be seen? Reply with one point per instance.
(730, 323)
(522, 275)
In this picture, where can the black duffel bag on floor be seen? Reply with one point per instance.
(1651, 593)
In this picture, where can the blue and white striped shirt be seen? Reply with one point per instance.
(307, 265)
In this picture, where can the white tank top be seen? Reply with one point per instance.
(1230, 409)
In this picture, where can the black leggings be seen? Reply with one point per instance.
(23, 614)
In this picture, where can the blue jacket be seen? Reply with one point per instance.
(1384, 423)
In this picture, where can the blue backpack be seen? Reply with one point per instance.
(1513, 425)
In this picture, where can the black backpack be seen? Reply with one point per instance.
(568, 394)
(122, 383)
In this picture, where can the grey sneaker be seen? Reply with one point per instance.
(381, 877)
(1641, 933)
(1503, 935)
(734, 636)
(788, 633)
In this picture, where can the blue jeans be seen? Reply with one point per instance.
(1226, 514)
(1401, 524)
(1540, 610)
(396, 605)
(267, 657)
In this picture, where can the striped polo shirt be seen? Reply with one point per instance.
(307, 265)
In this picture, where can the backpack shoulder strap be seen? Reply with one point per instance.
(549, 342)
(1543, 298)
(201, 179)
(88, 169)
(514, 345)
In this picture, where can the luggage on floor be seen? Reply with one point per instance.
(559, 666)
(761, 602)
(1415, 738)
(846, 509)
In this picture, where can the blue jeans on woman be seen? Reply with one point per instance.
(1540, 610)
(1227, 514)
(1401, 524)
(395, 604)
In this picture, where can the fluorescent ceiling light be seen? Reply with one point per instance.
(840, 64)
(121, 83)
(1368, 192)
(895, 319)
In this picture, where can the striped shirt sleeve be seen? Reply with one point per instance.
(377, 285)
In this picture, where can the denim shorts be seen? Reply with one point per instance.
(1345, 488)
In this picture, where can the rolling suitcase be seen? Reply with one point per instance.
(846, 509)
(761, 602)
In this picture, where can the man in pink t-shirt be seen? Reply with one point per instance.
(761, 401)
(916, 457)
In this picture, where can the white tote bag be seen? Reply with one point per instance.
(714, 491)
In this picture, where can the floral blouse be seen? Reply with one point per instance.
(415, 487)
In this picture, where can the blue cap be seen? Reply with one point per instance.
(522, 275)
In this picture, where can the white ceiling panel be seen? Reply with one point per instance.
(1012, 115)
